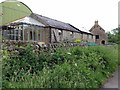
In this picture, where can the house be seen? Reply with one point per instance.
(99, 33)
(41, 29)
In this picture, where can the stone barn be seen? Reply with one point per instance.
(58, 31)
(99, 33)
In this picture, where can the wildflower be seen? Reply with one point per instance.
(68, 53)
(75, 64)
(4, 56)
(52, 53)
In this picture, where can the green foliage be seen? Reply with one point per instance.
(19, 64)
(77, 67)
(114, 35)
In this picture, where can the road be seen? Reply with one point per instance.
(113, 81)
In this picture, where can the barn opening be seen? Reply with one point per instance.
(103, 42)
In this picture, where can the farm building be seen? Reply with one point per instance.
(61, 32)
(99, 33)
(31, 27)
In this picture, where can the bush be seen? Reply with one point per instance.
(24, 62)
(77, 41)
(77, 67)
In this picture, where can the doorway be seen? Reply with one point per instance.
(103, 42)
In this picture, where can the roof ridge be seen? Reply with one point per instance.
(51, 18)
(95, 27)
(57, 24)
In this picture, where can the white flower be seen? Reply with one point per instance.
(68, 53)
(4, 56)
(75, 64)
(52, 53)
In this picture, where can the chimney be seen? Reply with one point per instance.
(96, 22)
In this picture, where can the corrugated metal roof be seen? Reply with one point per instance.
(56, 24)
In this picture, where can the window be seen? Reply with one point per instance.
(97, 37)
(39, 36)
(59, 32)
(34, 35)
(87, 36)
(92, 36)
(17, 35)
(82, 35)
(30, 35)
(71, 34)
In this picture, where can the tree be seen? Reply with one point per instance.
(114, 35)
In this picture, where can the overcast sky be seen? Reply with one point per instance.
(80, 13)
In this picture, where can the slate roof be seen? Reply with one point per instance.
(82, 31)
(96, 26)
(56, 24)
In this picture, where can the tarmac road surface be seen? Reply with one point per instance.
(112, 83)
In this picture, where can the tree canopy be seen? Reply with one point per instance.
(114, 35)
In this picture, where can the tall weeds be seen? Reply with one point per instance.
(76, 67)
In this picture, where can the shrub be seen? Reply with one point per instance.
(26, 61)
(77, 41)
(77, 67)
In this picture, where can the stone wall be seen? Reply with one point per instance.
(88, 37)
(63, 35)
